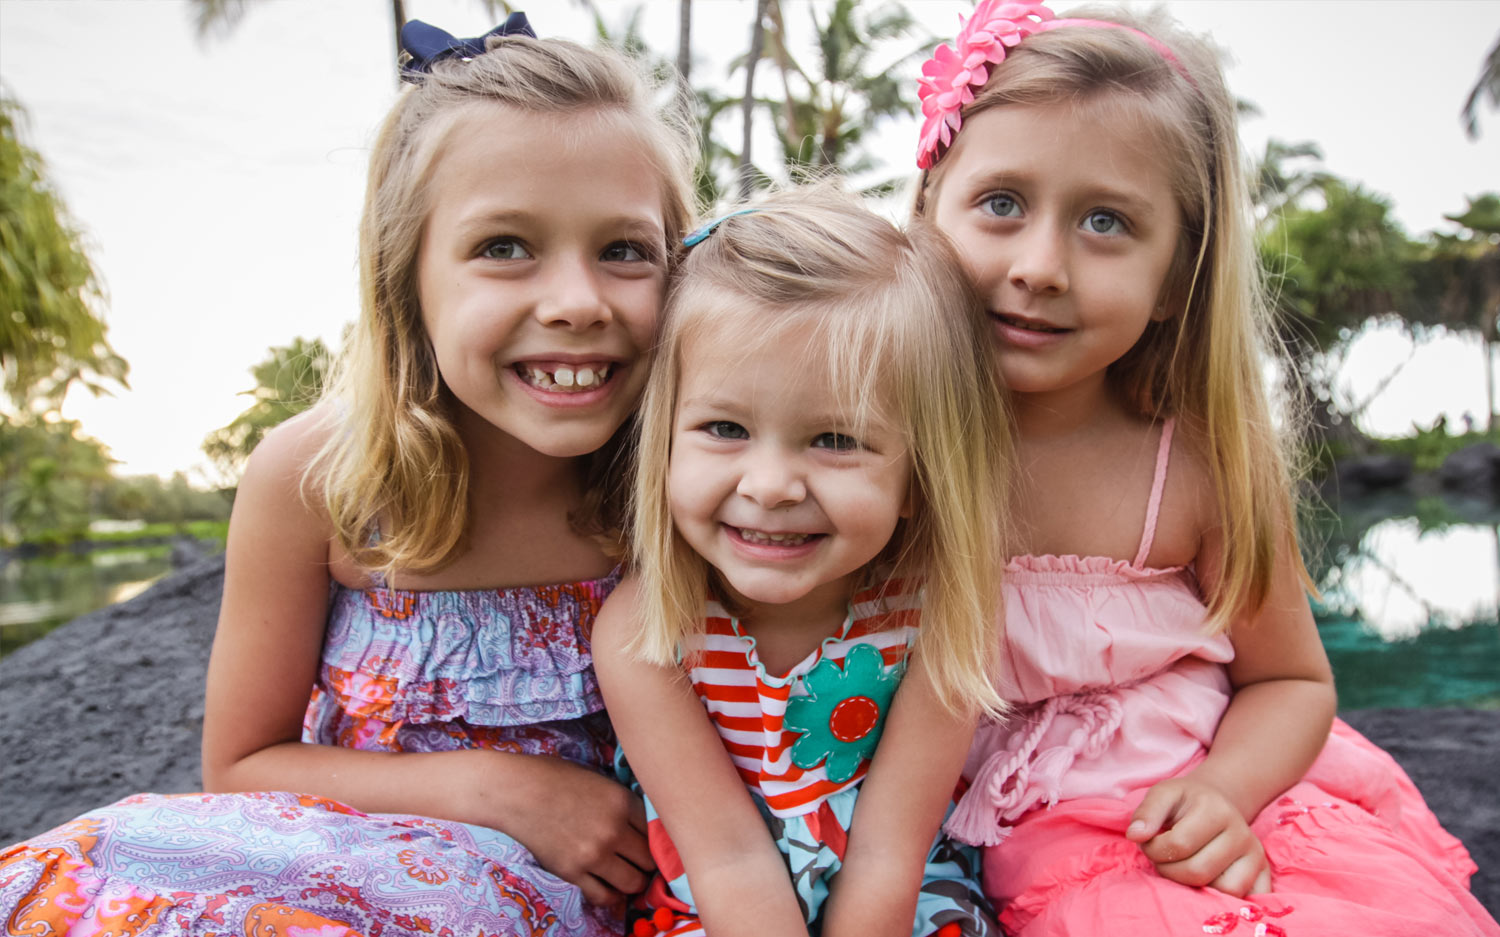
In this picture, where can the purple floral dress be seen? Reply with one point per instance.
(506, 669)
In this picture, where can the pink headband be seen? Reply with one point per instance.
(950, 77)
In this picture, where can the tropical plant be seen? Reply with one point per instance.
(50, 474)
(1284, 174)
(287, 382)
(51, 333)
(1332, 270)
(1457, 282)
(1486, 86)
(828, 112)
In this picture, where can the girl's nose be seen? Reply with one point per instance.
(771, 481)
(572, 297)
(1040, 264)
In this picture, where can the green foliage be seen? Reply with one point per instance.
(830, 110)
(50, 334)
(286, 383)
(49, 476)
(1338, 265)
(1429, 447)
(54, 481)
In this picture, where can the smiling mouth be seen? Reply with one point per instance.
(767, 538)
(566, 379)
(1028, 325)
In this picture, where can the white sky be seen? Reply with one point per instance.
(219, 182)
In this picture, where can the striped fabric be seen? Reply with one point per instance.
(747, 704)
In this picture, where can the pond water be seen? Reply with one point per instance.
(37, 595)
(1409, 608)
(1410, 601)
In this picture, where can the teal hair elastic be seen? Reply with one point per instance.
(707, 229)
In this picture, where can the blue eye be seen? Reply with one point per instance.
(1104, 222)
(836, 441)
(1002, 206)
(625, 252)
(504, 249)
(726, 429)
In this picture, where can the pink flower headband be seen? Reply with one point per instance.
(954, 71)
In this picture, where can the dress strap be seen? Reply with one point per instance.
(1153, 508)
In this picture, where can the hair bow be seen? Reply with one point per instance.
(422, 44)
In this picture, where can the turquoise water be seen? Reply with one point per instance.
(1408, 612)
(1410, 603)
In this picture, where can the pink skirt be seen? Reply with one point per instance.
(1353, 849)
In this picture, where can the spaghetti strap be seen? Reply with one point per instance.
(1163, 456)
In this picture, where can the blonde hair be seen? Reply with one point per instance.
(1203, 364)
(395, 465)
(903, 337)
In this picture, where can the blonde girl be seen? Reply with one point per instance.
(414, 555)
(817, 508)
(1169, 767)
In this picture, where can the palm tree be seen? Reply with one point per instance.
(51, 333)
(1332, 269)
(1278, 186)
(1457, 283)
(1488, 85)
(746, 169)
(829, 111)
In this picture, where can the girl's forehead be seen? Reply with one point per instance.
(754, 361)
(1105, 141)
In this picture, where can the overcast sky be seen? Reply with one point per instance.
(218, 181)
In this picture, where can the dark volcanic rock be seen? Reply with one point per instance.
(111, 704)
(1472, 470)
(1357, 476)
(108, 705)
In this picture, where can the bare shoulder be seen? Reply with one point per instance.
(275, 500)
(1189, 505)
(285, 452)
(615, 624)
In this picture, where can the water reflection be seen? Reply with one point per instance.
(37, 595)
(1410, 601)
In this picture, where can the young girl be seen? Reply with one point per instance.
(815, 448)
(451, 773)
(1168, 768)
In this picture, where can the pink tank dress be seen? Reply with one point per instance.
(1116, 687)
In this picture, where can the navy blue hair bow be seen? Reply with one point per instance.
(423, 44)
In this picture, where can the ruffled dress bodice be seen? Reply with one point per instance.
(1116, 686)
(1114, 681)
(507, 668)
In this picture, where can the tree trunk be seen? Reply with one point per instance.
(1489, 385)
(685, 42)
(747, 104)
(398, 15)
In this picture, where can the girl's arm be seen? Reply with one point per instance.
(1196, 828)
(738, 878)
(901, 805)
(580, 825)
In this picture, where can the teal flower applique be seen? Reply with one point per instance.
(843, 712)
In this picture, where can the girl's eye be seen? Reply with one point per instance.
(1002, 206)
(726, 429)
(836, 441)
(1104, 222)
(625, 252)
(504, 249)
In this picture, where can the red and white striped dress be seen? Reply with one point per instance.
(747, 704)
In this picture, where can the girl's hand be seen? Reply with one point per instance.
(582, 827)
(1195, 836)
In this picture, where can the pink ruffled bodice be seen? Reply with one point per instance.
(1114, 682)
